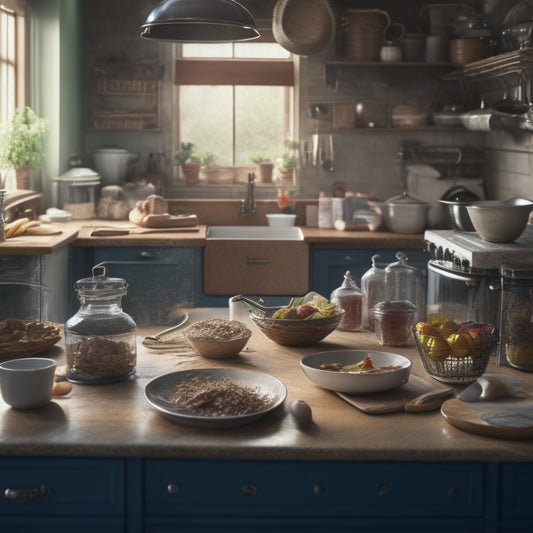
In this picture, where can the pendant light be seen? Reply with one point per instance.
(200, 21)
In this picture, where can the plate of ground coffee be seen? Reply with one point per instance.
(215, 397)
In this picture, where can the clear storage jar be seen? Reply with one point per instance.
(373, 289)
(516, 316)
(350, 298)
(100, 339)
(394, 322)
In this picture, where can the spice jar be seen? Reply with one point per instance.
(100, 338)
(350, 298)
(406, 282)
(516, 316)
(393, 322)
(373, 288)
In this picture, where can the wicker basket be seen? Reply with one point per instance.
(363, 33)
(295, 332)
(451, 369)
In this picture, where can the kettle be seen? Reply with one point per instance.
(112, 163)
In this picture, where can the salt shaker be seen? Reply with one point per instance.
(350, 298)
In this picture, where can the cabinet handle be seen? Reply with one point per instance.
(173, 488)
(146, 255)
(318, 489)
(24, 495)
(252, 261)
(384, 491)
(249, 489)
(452, 493)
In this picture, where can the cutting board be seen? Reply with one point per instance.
(505, 418)
(397, 399)
(111, 231)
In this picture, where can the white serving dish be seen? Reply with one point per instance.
(281, 219)
(356, 383)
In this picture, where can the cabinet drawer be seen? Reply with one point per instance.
(517, 480)
(66, 487)
(398, 489)
(219, 487)
(256, 268)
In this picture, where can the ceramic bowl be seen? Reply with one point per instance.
(27, 383)
(280, 219)
(500, 221)
(356, 383)
(217, 338)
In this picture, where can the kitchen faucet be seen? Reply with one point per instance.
(248, 204)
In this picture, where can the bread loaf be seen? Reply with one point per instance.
(157, 205)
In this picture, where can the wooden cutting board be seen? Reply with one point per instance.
(112, 231)
(506, 418)
(397, 399)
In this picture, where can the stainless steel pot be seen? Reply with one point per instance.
(112, 164)
(405, 214)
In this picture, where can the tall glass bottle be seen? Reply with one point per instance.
(349, 297)
(373, 288)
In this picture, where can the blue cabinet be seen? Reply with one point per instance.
(329, 265)
(161, 281)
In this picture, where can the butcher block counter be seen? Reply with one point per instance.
(116, 420)
(103, 459)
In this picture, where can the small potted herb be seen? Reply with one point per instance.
(22, 143)
(190, 162)
(264, 168)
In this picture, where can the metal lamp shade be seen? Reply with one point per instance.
(200, 21)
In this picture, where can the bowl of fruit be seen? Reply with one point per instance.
(303, 322)
(455, 353)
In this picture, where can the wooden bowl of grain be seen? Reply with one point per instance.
(216, 338)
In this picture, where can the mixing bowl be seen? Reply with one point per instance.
(500, 221)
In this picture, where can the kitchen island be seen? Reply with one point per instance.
(350, 471)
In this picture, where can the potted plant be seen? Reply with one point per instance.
(190, 163)
(288, 162)
(264, 168)
(22, 145)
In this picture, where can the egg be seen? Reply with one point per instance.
(301, 412)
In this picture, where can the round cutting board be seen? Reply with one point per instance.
(505, 419)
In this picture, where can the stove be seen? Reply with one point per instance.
(466, 251)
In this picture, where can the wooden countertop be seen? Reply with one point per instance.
(116, 420)
(78, 233)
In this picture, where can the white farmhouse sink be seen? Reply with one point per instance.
(254, 233)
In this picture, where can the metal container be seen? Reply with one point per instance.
(112, 164)
(405, 214)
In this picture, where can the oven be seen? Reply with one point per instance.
(463, 274)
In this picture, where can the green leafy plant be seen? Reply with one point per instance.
(187, 155)
(22, 140)
(258, 159)
(209, 158)
(289, 159)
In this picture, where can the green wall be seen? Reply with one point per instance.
(56, 86)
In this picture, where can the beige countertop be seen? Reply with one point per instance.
(116, 420)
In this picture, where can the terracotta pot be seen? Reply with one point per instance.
(191, 174)
(23, 177)
(264, 172)
(468, 50)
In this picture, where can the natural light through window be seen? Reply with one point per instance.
(239, 106)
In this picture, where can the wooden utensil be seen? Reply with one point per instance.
(417, 395)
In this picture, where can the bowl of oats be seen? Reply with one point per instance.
(216, 338)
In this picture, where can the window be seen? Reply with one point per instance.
(235, 100)
(12, 50)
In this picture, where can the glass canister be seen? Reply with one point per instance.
(350, 298)
(393, 322)
(100, 338)
(373, 289)
(516, 316)
(406, 282)
(2, 220)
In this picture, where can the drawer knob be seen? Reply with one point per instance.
(384, 491)
(24, 495)
(146, 255)
(173, 488)
(318, 489)
(249, 490)
(452, 493)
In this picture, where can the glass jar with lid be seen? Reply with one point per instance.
(404, 282)
(350, 298)
(100, 339)
(373, 289)
(393, 322)
(516, 316)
